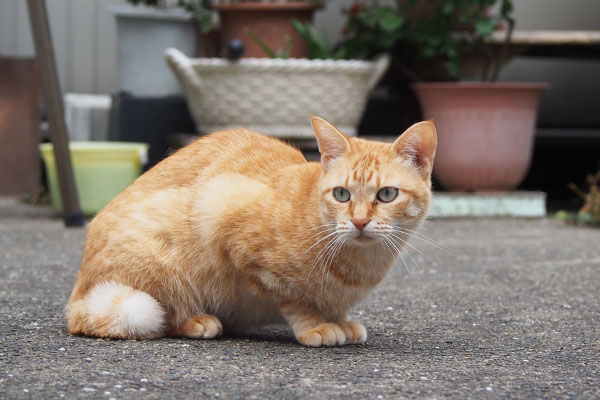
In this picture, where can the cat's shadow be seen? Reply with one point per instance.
(269, 334)
(284, 338)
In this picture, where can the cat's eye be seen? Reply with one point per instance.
(341, 194)
(387, 194)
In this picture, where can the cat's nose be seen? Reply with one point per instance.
(360, 223)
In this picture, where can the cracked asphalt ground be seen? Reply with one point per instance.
(512, 311)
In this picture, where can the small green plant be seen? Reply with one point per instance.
(279, 53)
(589, 213)
(372, 29)
(429, 33)
(318, 46)
(200, 10)
(368, 33)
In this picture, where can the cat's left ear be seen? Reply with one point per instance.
(418, 145)
(332, 142)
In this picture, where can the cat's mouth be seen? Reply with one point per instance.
(362, 238)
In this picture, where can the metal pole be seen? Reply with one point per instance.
(40, 29)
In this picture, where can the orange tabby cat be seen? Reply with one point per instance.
(238, 230)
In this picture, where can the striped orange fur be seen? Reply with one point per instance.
(238, 230)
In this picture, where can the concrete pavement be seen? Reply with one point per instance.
(513, 310)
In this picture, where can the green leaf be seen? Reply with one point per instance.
(448, 7)
(285, 53)
(299, 28)
(254, 37)
(387, 42)
(318, 47)
(367, 18)
(428, 52)
(585, 217)
(451, 50)
(485, 26)
(452, 66)
(390, 20)
(434, 40)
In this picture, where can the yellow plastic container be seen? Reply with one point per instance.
(102, 170)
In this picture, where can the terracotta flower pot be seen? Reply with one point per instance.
(271, 22)
(485, 132)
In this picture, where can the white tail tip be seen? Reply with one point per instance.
(125, 312)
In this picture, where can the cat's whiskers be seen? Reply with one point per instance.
(398, 251)
(381, 232)
(420, 236)
(386, 233)
(325, 258)
(324, 253)
(325, 228)
(321, 226)
(324, 231)
(320, 240)
(321, 252)
(338, 243)
(424, 238)
(405, 242)
(384, 241)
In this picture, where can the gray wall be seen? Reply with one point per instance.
(572, 100)
(557, 14)
(84, 37)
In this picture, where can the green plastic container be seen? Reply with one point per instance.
(102, 170)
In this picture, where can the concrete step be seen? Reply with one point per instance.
(488, 204)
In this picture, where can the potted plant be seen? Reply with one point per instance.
(269, 20)
(276, 95)
(147, 27)
(486, 128)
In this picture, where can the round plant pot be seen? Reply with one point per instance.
(485, 132)
(271, 22)
(275, 96)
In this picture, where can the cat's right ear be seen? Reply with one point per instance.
(332, 142)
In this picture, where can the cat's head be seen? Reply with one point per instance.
(373, 191)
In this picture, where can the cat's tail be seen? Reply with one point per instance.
(114, 310)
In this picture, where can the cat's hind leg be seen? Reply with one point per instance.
(114, 310)
(203, 326)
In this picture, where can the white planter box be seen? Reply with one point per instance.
(87, 116)
(143, 35)
(275, 96)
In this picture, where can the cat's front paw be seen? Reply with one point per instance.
(327, 334)
(355, 332)
(332, 334)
